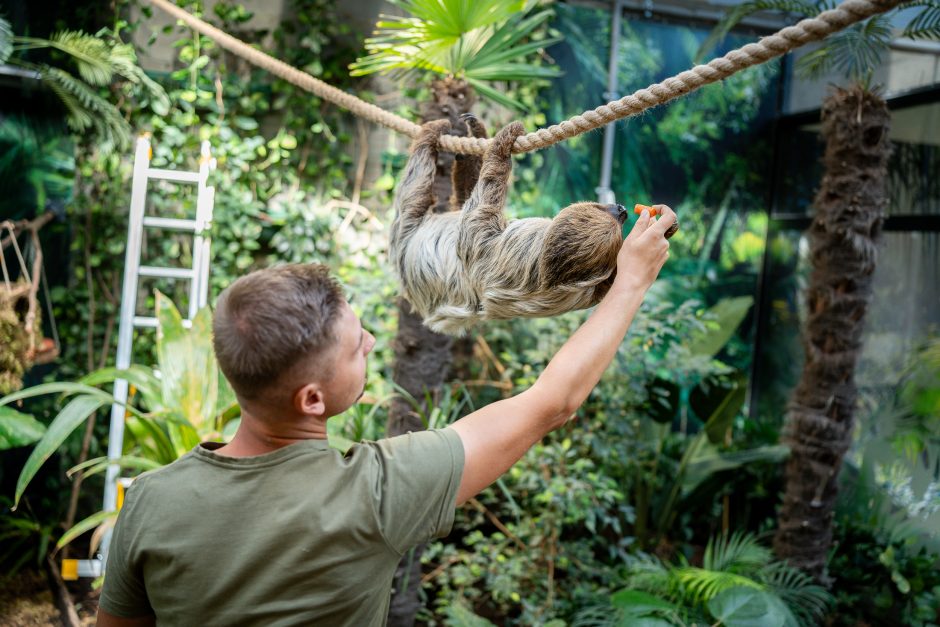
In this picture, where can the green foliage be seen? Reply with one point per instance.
(853, 52)
(18, 429)
(98, 60)
(37, 167)
(738, 583)
(480, 42)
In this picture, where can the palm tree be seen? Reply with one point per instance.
(464, 47)
(849, 211)
(98, 61)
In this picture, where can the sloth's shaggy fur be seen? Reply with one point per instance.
(464, 266)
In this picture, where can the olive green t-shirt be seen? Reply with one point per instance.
(299, 536)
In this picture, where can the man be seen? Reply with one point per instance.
(276, 528)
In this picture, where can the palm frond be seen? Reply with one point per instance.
(87, 110)
(853, 52)
(926, 24)
(699, 585)
(807, 600)
(478, 41)
(798, 8)
(91, 54)
(6, 40)
(453, 18)
(738, 553)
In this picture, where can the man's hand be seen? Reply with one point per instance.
(644, 250)
(497, 435)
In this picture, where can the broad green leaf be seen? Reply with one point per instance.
(66, 388)
(71, 416)
(189, 373)
(142, 378)
(708, 460)
(745, 607)
(728, 314)
(645, 621)
(18, 429)
(99, 464)
(720, 421)
(85, 525)
(638, 603)
(150, 436)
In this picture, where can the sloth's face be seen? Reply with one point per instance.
(598, 214)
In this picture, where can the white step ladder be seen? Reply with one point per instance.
(198, 275)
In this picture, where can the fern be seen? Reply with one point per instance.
(86, 109)
(740, 553)
(6, 40)
(807, 600)
(90, 54)
(700, 586)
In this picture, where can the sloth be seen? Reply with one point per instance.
(471, 264)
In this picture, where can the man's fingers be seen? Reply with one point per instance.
(667, 220)
(642, 223)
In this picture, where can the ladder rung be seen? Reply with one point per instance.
(170, 223)
(173, 175)
(151, 322)
(166, 273)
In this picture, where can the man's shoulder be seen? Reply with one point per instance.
(165, 476)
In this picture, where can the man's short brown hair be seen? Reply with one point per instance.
(267, 321)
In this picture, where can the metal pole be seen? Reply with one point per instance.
(604, 193)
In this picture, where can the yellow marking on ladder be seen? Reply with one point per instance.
(70, 570)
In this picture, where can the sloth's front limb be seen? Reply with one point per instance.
(482, 219)
(466, 170)
(415, 193)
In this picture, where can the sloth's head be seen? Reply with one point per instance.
(582, 243)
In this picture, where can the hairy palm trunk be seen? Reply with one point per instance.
(843, 237)
(422, 357)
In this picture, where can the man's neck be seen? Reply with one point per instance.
(256, 436)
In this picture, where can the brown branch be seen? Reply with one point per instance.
(497, 523)
(441, 568)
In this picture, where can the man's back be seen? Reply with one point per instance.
(299, 536)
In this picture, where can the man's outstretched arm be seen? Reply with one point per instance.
(498, 435)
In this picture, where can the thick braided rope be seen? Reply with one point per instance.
(811, 29)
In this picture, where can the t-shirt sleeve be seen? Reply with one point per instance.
(416, 489)
(124, 594)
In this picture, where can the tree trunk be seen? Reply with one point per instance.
(843, 246)
(422, 357)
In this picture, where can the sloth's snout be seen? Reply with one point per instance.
(618, 212)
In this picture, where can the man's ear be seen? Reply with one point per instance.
(309, 400)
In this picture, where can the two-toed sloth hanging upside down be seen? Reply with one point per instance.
(470, 264)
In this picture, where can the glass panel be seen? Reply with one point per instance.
(913, 170)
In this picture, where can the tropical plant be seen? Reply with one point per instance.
(98, 60)
(738, 584)
(466, 47)
(477, 43)
(181, 402)
(849, 209)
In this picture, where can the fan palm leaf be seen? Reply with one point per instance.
(480, 41)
